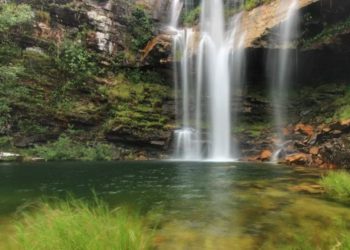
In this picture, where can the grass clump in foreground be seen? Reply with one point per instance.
(337, 185)
(75, 224)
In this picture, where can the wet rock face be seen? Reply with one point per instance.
(326, 146)
(260, 21)
(108, 20)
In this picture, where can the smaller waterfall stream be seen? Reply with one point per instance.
(280, 63)
(176, 8)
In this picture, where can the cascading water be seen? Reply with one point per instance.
(176, 7)
(208, 75)
(280, 68)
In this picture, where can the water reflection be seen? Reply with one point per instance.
(201, 205)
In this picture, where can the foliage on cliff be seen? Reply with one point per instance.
(53, 81)
(12, 15)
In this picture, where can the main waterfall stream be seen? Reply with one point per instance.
(208, 75)
(209, 64)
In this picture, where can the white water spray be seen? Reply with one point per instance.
(280, 68)
(176, 8)
(209, 73)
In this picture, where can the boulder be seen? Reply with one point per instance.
(314, 150)
(265, 155)
(298, 159)
(304, 129)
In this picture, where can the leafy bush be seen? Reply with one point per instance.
(75, 224)
(12, 93)
(13, 14)
(77, 63)
(337, 184)
(140, 27)
(192, 17)
(328, 33)
(66, 149)
(9, 52)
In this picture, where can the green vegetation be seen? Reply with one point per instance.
(307, 239)
(75, 224)
(253, 129)
(12, 93)
(141, 101)
(12, 15)
(343, 111)
(67, 149)
(192, 17)
(251, 4)
(55, 83)
(337, 185)
(140, 26)
(334, 108)
(328, 33)
(77, 63)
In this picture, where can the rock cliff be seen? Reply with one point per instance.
(97, 74)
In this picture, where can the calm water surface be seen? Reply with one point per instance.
(201, 205)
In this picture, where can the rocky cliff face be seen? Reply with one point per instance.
(81, 72)
(318, 112)
(82, 78)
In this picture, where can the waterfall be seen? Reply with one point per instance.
(176, 7)
(209, 71)
(280, 69)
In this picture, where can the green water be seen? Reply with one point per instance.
(200, 205)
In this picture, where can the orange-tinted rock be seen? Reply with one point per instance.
(304, 129)
(318, 162)
(252, 158)
(328, 166)
(265, 155)
(298, 159)
(288, 130)
(345, 123)
(314, 150)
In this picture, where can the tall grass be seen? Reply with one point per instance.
(74, 225)
(337, 185)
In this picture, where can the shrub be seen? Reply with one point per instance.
(140, 27)
(192, 17)
(75, 224)
(66, 149)
(77, 63)
(13, 14)
(337, 184)
(12, 93)
(328, 33)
